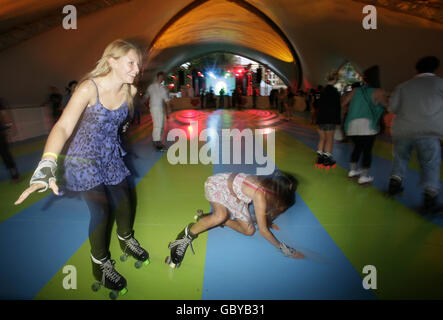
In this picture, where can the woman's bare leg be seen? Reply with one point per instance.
(218, 216)
(243, 227)
(322, 140)
(329, 140)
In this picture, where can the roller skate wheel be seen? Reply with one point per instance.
(168, 260)
(146, 262)
(95, 287)
(333, 167)
(173, 265)
(199, 212)
(196, 217)
(113, 295)
(169, 245)
(123, 291)
(124, 257)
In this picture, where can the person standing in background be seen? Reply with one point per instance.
(55, 101)
(69, 90)
(418, 106)
(366, 106)
(328, 117)
(158, 96)
(4, 145)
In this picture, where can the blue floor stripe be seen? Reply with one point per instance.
(241, 267)
(38, 241)
(380, 170)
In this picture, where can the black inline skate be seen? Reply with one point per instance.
(179, 246)
(329, 162)
(320, 160)
(131, 247)
(104, 272)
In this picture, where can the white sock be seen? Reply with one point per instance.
(95, 260)
(121, 238)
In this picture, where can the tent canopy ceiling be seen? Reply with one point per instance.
(13, 13)
(301, 40)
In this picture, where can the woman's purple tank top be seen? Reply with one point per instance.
(95, 155)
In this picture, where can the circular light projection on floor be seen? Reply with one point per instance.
(186, 116)
(262, 118)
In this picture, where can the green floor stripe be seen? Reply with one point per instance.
(167, 199)
(369, 228)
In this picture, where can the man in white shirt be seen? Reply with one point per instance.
(158, 100)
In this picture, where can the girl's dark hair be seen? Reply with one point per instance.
(279, 190)
(372, 76)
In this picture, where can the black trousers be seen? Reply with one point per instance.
(106, 202)
(362, 144)
(4, 152)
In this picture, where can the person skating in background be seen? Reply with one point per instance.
(54, 100)
(288, 103)
(328, 117)
(281, 101)
(418, 106)
(314, 102)
(366, 106)
(158, 96)
(69, 91)
(6, 155)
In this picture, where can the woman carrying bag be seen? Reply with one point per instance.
(367, 105)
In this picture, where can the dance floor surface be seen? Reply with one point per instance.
(339, 226)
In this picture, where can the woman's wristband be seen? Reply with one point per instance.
(50, 154)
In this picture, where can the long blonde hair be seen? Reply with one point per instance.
(116, 49)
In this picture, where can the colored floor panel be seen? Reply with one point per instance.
(369, 228)
(33, 227)
(241, 267)
(412, 196)
(157, 222)
(338, 225)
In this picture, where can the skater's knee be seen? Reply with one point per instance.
(250, 231)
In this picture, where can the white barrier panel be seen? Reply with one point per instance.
(28, 122)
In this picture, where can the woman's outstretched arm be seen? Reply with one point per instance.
(58, 136)
(260, 213)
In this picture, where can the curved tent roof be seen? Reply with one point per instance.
(299, 39)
